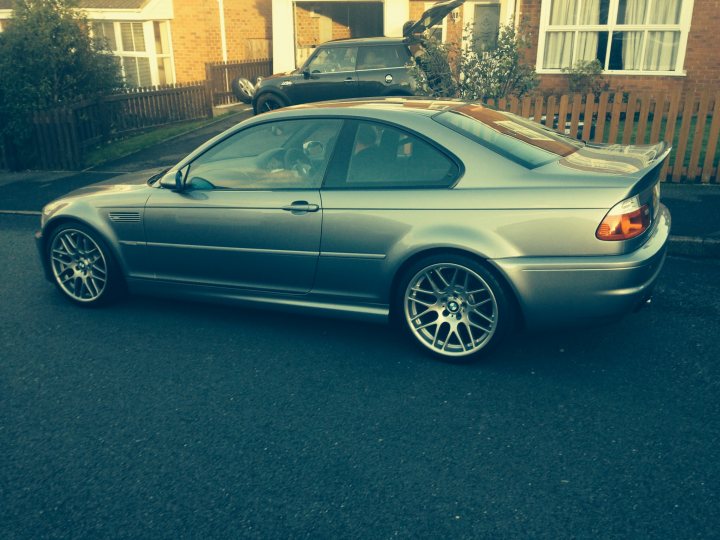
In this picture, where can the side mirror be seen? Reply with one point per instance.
(306, 74)
(180, 178)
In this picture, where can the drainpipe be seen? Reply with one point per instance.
(223, 40)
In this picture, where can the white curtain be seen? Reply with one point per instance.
(665, 12)
(632, 41)
(562, 12)
(558, 49)
(558, 45)
(661, 53)
(589, 12)
(587, 42)
(662, 47)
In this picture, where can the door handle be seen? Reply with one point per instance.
(349, 80)
(301, 207)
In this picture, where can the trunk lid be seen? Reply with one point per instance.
(432, 16)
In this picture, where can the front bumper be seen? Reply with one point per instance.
(40, 245)
(559, 291)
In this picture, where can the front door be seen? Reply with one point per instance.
(250, 215)
(329, 74)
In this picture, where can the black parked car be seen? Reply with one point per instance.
(347, 68)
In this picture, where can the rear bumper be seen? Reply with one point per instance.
(555, 291)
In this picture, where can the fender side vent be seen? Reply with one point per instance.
(125, 217)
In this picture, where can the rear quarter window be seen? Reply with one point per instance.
(513, 137)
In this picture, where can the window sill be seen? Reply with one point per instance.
(622, 73)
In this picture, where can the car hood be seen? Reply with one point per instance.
(123, 183)
(434, 15)
(277, 77)
(615, 158)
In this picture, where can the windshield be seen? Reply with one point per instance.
(514, 137)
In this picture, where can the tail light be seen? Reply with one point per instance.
(625, 220)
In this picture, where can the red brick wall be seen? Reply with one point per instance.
(195, 38)
(702, 61)
(196, 34)
(248, 29)
(307, 26)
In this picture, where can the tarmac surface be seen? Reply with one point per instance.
(168, 419)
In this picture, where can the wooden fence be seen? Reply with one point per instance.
(221, 74)
(691, 124)
(64, 134)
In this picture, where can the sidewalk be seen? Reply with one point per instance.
(695, 208)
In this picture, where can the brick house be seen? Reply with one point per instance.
(642, 44)
(168, 41)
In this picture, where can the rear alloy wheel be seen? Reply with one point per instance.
(83, 267)
(269, 102)
(455, 307)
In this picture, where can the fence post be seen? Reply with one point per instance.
(208, 97)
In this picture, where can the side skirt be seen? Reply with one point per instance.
(300, 304)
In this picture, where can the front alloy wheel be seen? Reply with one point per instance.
(81, 265)
(454, 307)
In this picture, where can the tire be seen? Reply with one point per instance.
(82, 266)
(269, 102)
(475, 311)
(243, 90)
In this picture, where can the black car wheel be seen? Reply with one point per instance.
(269, 102)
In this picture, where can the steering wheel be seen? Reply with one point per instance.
(296, 160)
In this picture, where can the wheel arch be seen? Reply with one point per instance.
(109, 240)
(429, 252)
(274, 92)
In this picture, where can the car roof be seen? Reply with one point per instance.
(365, 41)
(409, 104)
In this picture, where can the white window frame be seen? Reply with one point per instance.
(150, 51)
(683, 27)
(443, 23)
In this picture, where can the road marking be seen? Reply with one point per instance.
(21, 212)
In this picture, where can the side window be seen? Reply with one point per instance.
(383, 156)
(332, 59)
(384, 56)
(291, 154)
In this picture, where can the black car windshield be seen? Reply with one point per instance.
(512, 136)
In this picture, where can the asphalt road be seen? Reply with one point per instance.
(164, 419)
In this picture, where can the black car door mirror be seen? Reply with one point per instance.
(306, 74)
(180, 178)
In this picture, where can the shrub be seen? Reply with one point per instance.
(586, 77)
(47, 58)
(499, 72)
(445, 70)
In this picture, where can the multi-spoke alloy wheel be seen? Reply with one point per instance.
(453, 308)
(79, 265)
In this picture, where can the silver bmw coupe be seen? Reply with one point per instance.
(457, 221)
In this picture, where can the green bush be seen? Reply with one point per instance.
(469, 72)
(499, 72)
(586, 77)
(47, 58)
